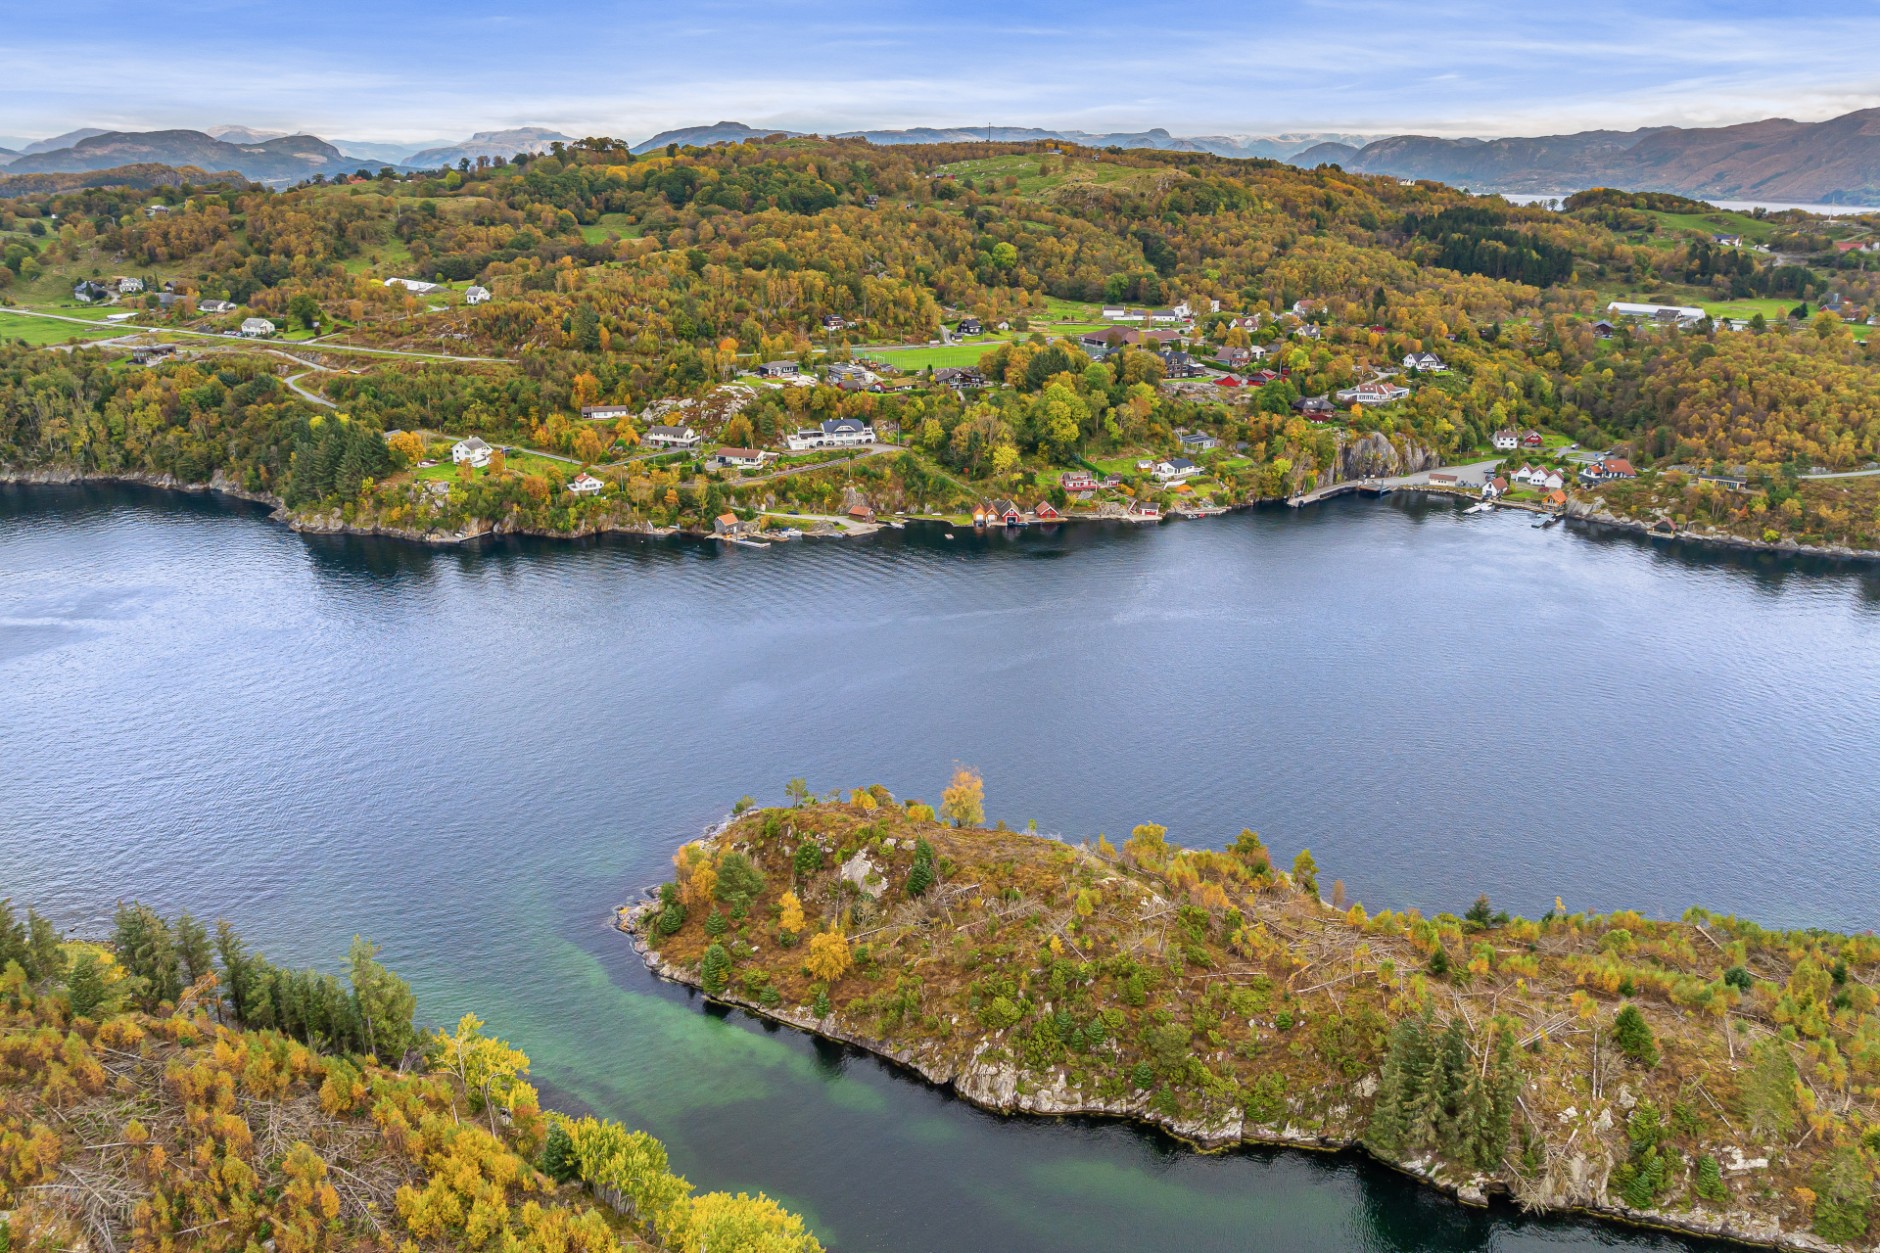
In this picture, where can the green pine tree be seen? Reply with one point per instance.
(715, 969)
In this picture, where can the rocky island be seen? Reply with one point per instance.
(1705, 1075)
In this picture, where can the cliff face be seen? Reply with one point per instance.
(1211, 996)
(1376, 455)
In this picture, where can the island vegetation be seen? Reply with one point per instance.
(165, 1088)
(1071, 330)
(1705, 1074)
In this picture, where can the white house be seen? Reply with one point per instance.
(776, 370)
(1549, 479)
(670, 437)
(1427, 362)
(834, 433)
(741, 458)
(476, 295)
(1375, 392)
(606, 413)
(1114, 313)
(472, 450)
(126, 286)
(585, 484)
(416, 286)
(1199, 441)
(1682, 314)
(215, 306)
(1506, 441)
(1175, 469)
(255, 328)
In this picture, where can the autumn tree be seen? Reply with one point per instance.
(828, 957)
(963, 802)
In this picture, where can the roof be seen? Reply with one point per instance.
(685, 432)
(473, 442)
(727, 519)
(1181, 463)
(747, 454)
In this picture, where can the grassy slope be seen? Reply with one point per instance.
(1227, 995)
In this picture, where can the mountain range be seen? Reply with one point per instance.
(1775, 160)
(1275, 146)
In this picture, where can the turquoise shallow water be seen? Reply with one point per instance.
(472, 755)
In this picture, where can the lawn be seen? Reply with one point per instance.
(520, 462)
(40, 331)
(943, 357)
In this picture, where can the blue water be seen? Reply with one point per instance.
(471, 755)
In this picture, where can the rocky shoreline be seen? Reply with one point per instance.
(1000, 1089)
(330, 522)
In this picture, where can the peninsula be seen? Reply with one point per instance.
(1705, 1075)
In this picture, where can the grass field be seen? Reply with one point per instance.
(1722, 222)
(610, 224)
(40, 331)
(943, 357)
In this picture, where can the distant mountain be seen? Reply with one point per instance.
(6, 155)
(1837, 161)
(61, 141)
(1274, 146)
(489, 144)
(376, 152)
(287, 159)
(242, 134)
(704, 136)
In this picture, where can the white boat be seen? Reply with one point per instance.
(1483, 507)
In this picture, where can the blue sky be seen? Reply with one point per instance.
(418, 69)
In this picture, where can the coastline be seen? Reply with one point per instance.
(1589, 514)
(995, 1090)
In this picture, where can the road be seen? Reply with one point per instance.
(220, 338)
(1473, 474)
(871, 450)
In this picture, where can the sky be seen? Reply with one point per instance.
(416, 70)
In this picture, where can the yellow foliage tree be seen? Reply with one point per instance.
(829, 956)
(963, 803)
(790, 919)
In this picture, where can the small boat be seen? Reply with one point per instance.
(1556, 520)
(785, 532)
(750, 543)
(949, 535)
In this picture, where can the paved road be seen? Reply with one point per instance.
(1473, 474)
(218, 337)
(867, 450)
(1842, 474)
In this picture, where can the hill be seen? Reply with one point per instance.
(1836, 161)
(168, 1089)
(288, 159)
(1703, 1074)
(136, 177)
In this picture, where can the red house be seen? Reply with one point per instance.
(1046, 512)
(1079, 481)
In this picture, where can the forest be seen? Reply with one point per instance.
(165, 1087)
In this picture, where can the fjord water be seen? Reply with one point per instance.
(472, 755)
